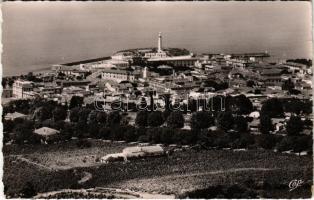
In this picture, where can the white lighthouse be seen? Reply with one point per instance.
(159, 43)
(160, 53)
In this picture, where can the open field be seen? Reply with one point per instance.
(71, 156)
(176, 174)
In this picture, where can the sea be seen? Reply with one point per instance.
(36, 35)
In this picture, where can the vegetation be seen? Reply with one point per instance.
(201, 120)
(272, 107)
(152, 174)
(175, 120)
(307, 62)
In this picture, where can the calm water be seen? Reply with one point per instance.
(36, 35)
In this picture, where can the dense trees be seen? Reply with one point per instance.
(76, 101)
(28, 191)
(23, 131)
(297, 106)
(266, 124)
(85, 122)
(240, 124)
(294, 125)
(175, 120)
(201, 120)
(59, 113)
(225, 120)
(74, 114)
(272, 107)
(20, 105)
(241, 105)
(307, 62)
(113, 119)
(141, 118)
(101, 117)
(155, 119)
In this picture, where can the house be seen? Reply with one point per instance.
(15, 115)
(134, 152)
(119, 75)
(22, 89)
(254, 114)
(46, 133)
(143, 151)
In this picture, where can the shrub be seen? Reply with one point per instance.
(28, 191)
(175, 120)
(155, 119)
(83, 144)
(285, 144)
(267, 141)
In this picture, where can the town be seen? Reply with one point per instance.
(160, 95)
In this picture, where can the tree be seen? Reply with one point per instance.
(59, 113)
(76, 101)
(225, 120)
(28, 190)
(81, 129)
(272, 107)
(287, 85)
(154, 134)
(293, 105)
(92, 117)
(8, 125)
(141, 118)
(267, 141)
(130, 134)
(167, 135)
(240, 124)
(175, 120)
(165, 114)
(93, 129)
(201, 120)
(42, 113)
(285, 144)
(241, 104)
(266, 124)
(113, 119)
(4, 82)
(155, 119)
(83, 114)
(20, 105)
(101, 117)
(302, 144)
(250, 83)
(294, 125)
(104, 132)
(67, 131)
(24, 132)
(74, 114)
(117, 132)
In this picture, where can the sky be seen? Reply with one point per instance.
(39, 34)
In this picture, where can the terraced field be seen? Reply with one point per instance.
(181, 172)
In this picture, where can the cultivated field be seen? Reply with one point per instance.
(63, 166)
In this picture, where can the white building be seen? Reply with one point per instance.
(22, 89)
(118, 75)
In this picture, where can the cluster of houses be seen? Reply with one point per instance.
(112, 78)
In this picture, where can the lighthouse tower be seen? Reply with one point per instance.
(159, 43)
